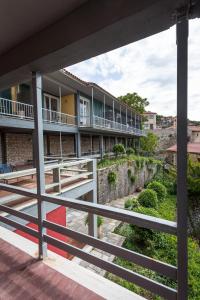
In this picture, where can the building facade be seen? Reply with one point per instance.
(79, 119)
(150, 120)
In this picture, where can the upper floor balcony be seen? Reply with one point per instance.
(106, 124)
(23, 111)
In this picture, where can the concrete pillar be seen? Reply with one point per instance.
(78, 144)
(101, 143)
(92, 197)
(56, 179)
(39, 158)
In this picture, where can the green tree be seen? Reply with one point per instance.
(135, 101)
(149, 142)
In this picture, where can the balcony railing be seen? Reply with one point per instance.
(16, 109)
(100, 122)
(25, 111)
(58, 117)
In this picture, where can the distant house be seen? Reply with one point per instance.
(194, 132)
(193, 150)
(150, 120)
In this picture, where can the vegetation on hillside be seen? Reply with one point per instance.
(158, 245)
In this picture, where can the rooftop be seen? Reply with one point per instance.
(193, 148)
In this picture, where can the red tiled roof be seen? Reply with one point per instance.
(193, 148)
(195, 128)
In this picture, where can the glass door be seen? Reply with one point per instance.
(52, 107)
(84, 111)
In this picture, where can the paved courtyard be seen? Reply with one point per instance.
(76, 221)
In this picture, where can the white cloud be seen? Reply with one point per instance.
(148, 67)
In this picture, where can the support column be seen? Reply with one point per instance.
(113, 111)
(92, 197)
(4, 148)
(126, 142)
(39, 158)
(92, 109)
(101, 146)
(182, 199)
(56, 179)
(78, 144)
(78, 108)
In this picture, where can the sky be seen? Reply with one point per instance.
(148, 67)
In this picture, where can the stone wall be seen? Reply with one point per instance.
(123, 186)
(86, 144)
(67, 144)
(19, 147)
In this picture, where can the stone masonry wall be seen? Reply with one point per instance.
(19, 147)
(123, 187)
(67, 144)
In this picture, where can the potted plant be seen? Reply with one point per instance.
(100, 222)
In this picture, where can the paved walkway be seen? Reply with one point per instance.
(76, 221)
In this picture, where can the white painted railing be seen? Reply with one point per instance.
(105, 123)
(16, 109)
(25, 111)
(52, 116)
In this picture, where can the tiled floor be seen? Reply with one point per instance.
(23, 277)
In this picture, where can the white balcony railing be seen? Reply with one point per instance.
(100, 122)
(25, 111)
(52, 116)
(16, 109)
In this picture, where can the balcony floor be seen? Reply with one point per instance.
(24, 277)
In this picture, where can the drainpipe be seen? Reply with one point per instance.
(104, 108)
(60, 97)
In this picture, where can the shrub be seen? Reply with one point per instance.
(148, 198)
(159, 188)
(129, 173)
(100, 221)
(112, 178)
(131, 203)
(132, 178)
(130, 151)
(119, 149)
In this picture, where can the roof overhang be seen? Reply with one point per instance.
(75, 30)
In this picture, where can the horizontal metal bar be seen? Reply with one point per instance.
(133, 277)
(123, 215)
(19, 226)
(18, 214)
(18, 190)
(74, 177)
(142, 260)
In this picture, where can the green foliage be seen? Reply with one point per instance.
(159, 188)
(149, 143)
(148, 198)
(119, 149)
(135, 101)
(130, 151)
(100, 221)
(131, 203)
(112, 178)
(168, 179)
(129, 173)
(139, 161)
(133, 179)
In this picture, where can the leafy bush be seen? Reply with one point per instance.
(112, 178)
(130, 151)
(119, 149)
(148, 198)
(133, 178)
(129, 172)
(159, 188)
(100, 221)
(131, 203)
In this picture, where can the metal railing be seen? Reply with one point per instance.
(16, 109)
(25, 111)
(52, 116)
(100, 122)
(122, 215)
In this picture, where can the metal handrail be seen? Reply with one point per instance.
(25, 111)
(16, 109)
(105, 123)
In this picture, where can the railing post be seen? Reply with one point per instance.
(78, 108)
(92, 197)
(39, 157)
(56, 179)
(182, 201)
